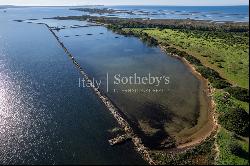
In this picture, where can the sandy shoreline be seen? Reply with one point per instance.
(211, 125)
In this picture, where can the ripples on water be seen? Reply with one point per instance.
(44, 117)
(23, 119)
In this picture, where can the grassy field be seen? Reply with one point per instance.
(227, 53)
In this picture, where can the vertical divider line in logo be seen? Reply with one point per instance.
(107, 82)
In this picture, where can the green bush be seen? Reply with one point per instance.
(150, 41)
(188, 57)
(236, 120)
(235, 148)
(239, 93)
(213, 77)
(220, 83)
(173, 50)
(193, 60)
(207, 72)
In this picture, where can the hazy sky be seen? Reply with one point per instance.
(124, 2)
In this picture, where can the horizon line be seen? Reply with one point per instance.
(33, 5)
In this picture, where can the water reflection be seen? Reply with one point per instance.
(22, 123)
(44, 117)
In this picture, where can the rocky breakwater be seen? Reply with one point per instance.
(139, 147)
(119, 139)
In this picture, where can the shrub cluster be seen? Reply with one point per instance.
(235, 148)
(149, 40)
(185, 55)
(239, 93)
(213, 77)
(236, 120)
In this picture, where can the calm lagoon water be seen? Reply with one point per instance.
(174, 111)
(44, 117)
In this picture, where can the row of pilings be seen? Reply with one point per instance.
(111, 107)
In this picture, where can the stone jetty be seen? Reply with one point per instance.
(119, 139)
(140, 148)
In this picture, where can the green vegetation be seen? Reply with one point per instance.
(233, 150)
(183, 54)
(213, 77)
(225, 101)
(232, 115)
(227, 55)
(199, 155)
(235, 119)
(239, 93)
